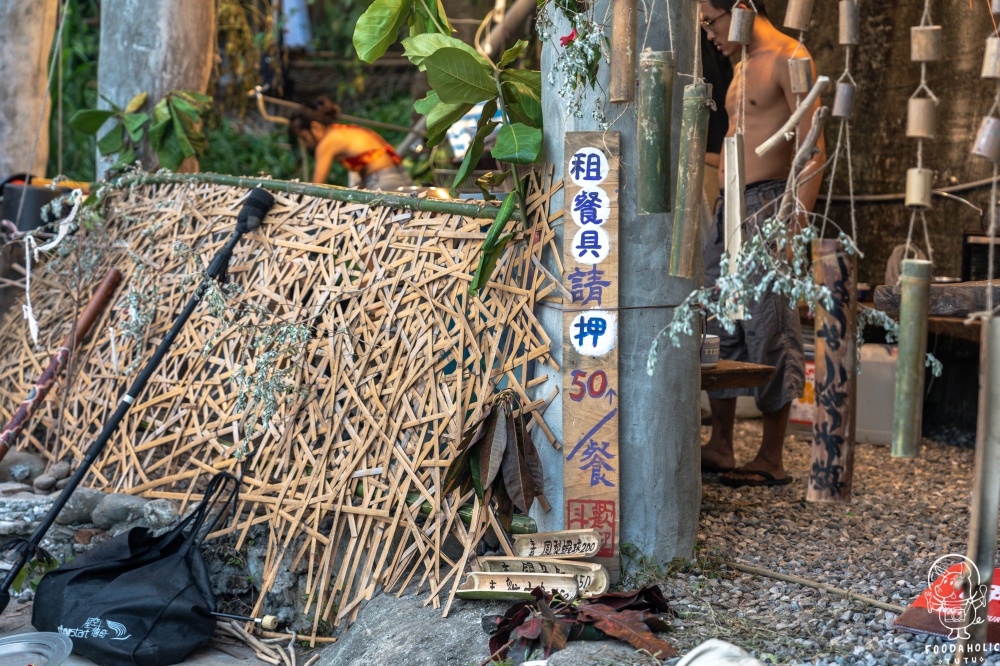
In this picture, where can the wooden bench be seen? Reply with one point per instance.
(735, 374)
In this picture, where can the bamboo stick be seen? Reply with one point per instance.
(656, 84)
(915, 282)
(684, 250)
(624, 25)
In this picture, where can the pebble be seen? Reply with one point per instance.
(902, 517)
(45, 483)
(60, 470)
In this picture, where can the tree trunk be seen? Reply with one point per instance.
(156, 46)
(26, 32)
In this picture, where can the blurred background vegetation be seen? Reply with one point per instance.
(249, 53)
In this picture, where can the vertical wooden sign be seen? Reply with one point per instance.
(591, 462)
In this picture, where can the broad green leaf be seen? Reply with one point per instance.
(487, 263)
(160, 111)
(186, 107)
(157, 131)
(182, 140)
(472, 156)
(503, 216)
(477, 481)
(518, 144)
(169, 153)
(89, 121)
(136, 102)
(475, 151)
(441, 117)
(512, 54)
(133, 123)
(490, 180)
(424, 106)
(459, 77)
(419, 47)
(522, 92)
(378, 28)
(112, 142)
(195, 98)
(443, 16)
(124, 159)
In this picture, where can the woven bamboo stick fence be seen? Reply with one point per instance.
(399, 360)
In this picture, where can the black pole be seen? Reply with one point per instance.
(258, 203)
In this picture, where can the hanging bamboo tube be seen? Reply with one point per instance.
(918, 188)
(656, 84)
(985, 489)
(624, 26)
(734, 197)
(690, 171)
(988, 140)
(907, 416)
(836, 375)
(995, 6)
(848, 23)
(797, 14)
(991, 59)
(800, 71)
(921, 117)
(741, 25)
(925, 43)
(843, 100)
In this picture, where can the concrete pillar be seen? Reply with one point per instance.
(26, 33)
(156, 46)
(659, 416)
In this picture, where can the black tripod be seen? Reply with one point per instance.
(258, 203)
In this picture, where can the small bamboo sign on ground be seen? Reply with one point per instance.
(590, 335)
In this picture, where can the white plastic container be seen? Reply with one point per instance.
(876, 393)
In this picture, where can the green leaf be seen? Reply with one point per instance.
(458, 77)
(477, 481)
(490, 180)
(424, 106)
(182, 140)
(89, 121)
(475, 150)
(518, 144)
(441, 117)
(196, 98)
(157, 131)
(419, 47)
(512, 54)
(136, 102)
(522, 92)
(169, 153)
(378, 28)
(124, 159)
(187, 108)
(160, 111)
(133, 124)
(112, 142)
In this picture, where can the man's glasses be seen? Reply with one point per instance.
(708, 24)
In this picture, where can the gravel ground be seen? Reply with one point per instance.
(905, 514)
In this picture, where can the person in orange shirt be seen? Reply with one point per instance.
(358, 149)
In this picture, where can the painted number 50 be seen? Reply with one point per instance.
(595, 385)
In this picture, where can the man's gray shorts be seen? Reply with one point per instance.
(388, 180)
(772, 335)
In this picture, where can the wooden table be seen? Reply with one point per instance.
(735, 374)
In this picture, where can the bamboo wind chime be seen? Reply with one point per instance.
(986, 488)
(624, 24)
(685, 248)
(915, 275)
(653, 119)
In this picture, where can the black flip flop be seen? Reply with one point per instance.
(743, 477)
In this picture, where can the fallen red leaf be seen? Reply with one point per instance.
(627, 626)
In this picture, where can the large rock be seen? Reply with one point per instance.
(117, 508)
(402, 630)
(21, 466)
(80, 506)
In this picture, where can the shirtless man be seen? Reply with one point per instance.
(772, 336)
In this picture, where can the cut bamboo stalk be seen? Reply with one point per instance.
(925, 43)
(921, 116)
(656, 84)
(800, 71)
(741, 25)
(684, 250)
(918, 188)
(985, 492)
(624, 25)
(915, 281)
(987, 143)
(787, 133)
(843, 100)
(832, 470)
(734, 197)
(797, 14)
(991, 58)
(848, 31)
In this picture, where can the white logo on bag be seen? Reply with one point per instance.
(93, 628)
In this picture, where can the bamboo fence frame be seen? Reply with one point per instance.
(400, 358)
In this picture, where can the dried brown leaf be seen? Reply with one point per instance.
(494, 443)
(554, 635)
(627, 626)
(517, 477)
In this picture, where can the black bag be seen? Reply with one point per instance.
(137, 599)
